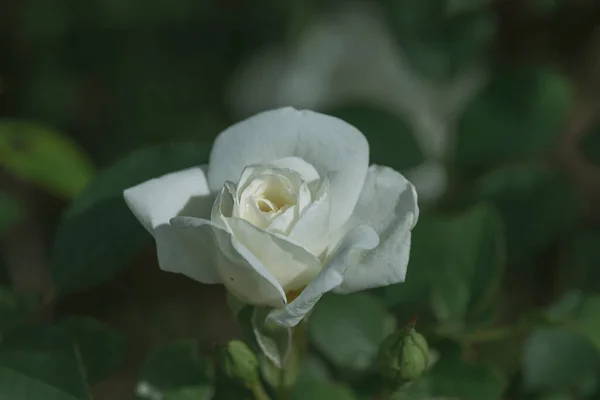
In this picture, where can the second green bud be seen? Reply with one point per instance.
(404, 355)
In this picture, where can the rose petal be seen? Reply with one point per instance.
(292, 265)
(306, 171)
(156, 201)
(359, 238)
(240, 271)
(312, 228)
(188, 252)
(388, 203)
(327, 143)
(223, 206)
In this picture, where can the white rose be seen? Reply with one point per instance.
(298, 213)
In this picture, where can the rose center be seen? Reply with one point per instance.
(265, 205)
(274, 198)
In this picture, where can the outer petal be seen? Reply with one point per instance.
(188, 252)
(239, 269)
(328, 143)
(156, 201)
(388, 203)
(292, 265)
(359, 239)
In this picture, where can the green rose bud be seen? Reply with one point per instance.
(404, 355)
(239, 362)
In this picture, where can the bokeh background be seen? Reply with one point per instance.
(489, 107)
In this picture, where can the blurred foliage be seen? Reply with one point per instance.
(9, 212)
(83, 256)
(516, 117)
(101, 95)
(42, 156)
(173, 369)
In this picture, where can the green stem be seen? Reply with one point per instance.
(258, 390)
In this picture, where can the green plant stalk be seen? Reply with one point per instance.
(300, 348)
(258, 390)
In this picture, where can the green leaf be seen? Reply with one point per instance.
(172, 367)
(41, 363)
(579, 313)
(348, 329)
(537, 206)
(98, 235)
(391, 140)
(322, 391)
(9, 212)
(545, 7)
(586, 257)
(470, 263)
(587, 320)
(453, 377)
(458, 260)
(102, 350)
(555, 359)
(14, 308)
(201, 392)
(517, 116)
(313, 369)
(460, 6)
(44, 157)
(439, 43)
(590, 146)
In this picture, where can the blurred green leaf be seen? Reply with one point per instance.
(469, 263)
(590, 145)
(537, 206)
(459, 6)
(518, 115)
(454, 378)
(391, 140)
(173, 367)
(98, 235)
(459, 260)
(14, 308)
(322, 391)
(101, 350)
(545, 7)
(43, 156)
(40, 20)
(580, 313)
(41, 363)
(313, 369)
(586, 257)
(201, 392)
(53, 91)
(141, 14)
(555, 359)
(587, 320)
(438, 44)
(9, 212)
(348, 329)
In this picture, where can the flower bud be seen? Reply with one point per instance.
(404, 355)
(239, 362)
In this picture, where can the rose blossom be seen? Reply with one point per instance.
(298, 212)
